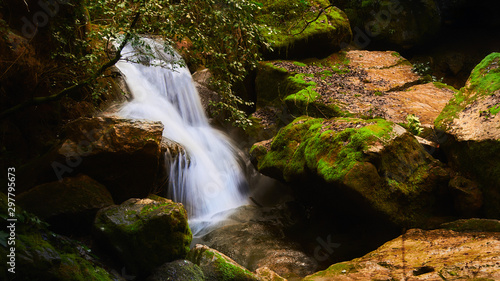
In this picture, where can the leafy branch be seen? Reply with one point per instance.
(92, 78)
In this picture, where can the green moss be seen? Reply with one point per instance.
(334, 270)
(441, 85)
(483, 81)
(495, 109)
(282, 21)
(473, 225)
(299, 64)
(309, 143)
(485, 78)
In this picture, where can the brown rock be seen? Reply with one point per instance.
(69, 204)
(424, 255)
(122, 154)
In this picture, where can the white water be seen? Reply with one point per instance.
(209, 180)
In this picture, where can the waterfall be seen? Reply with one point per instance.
(209, 179)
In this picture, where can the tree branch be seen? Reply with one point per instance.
(66, 91)
(317, 17)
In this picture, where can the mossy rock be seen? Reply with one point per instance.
(390, 24)
(145, 233)
(473, 225)
(179, 270)
(276, 86)
(218, 267)
(373, 161)
(483, 84)
(470, 123)
(43, 255)
(283, 25)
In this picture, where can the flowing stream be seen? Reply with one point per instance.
(209, 179)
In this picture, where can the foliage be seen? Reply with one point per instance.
(413, 124)
(220, 34)
(424, 69)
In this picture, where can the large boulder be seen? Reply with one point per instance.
(122, 154)
(218, 267)
(254, 237)
(302, 29)
(391, 24)
(424, 255)
(69, 204)
(32, 252)
(471, 123)
(354, 163)
(145, 233)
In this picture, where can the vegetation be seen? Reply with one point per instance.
(220, 35)
(413, 124)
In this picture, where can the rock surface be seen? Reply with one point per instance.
(70, 204)
(356, 83)
(179, 270)
(122, 154)
(217, 266)
(471, 123)
(40, 254)
(372, 161)
(255, 238)
(424, 255)
(145, 233)
(284, 29)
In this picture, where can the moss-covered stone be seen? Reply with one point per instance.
(43, 255)
(145, 233)
(471, 127)
(473, 225)
(284, 28)
(218, 267)
(179, 270)
(375, 159)
(483, 83)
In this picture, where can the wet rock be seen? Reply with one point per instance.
(122, 154)
(284, 30)
(43, 255)
(424, 255)
(255, 245)
(365, 161)
(69, 204)
(471, 126)
(217, 266)
(179, 270)
(144, 233)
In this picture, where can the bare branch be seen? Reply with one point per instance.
(322, 10)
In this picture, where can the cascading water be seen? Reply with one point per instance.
(209, 179)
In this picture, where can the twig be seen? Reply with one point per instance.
(317, 17)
